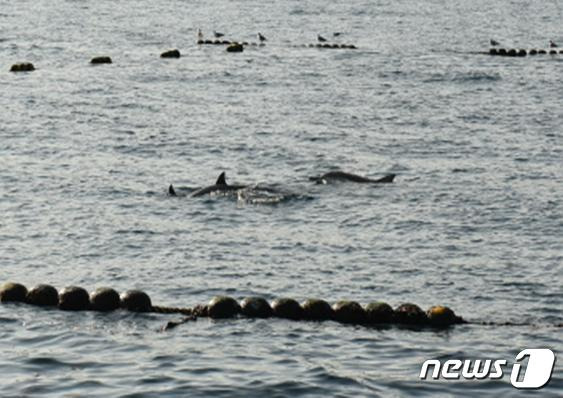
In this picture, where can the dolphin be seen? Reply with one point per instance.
(219, 186)
(343, 176)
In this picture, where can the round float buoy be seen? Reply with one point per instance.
(256, 307)
(532, 52)
(170, 54)
(317, 310)
(12, 292)
(542, 52)
(100, 60)
(287, 308)
(501, 51)
(349, 312)
(379, 312)
(223, 307)
(74, 298)
(521, 53)
(511, 52)
(22, 67)
(43, 295)
(104, 299)
(235, 48)
(410, 314)
(135, 301)
(493, 51)
(442, 316)
(552, 52)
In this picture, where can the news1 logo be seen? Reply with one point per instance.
(536, 375)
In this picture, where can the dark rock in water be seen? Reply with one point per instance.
(318, 310)
(349, 312)
(442, 316)
(287, 308)
(235, 48)
(12, 292)
(43, 295)
(100, 60)
(410, 314)
(104, 299)
(22, 67)
(223, 307)
(73, 298)
(136, 301)
(379, 312)
(256, 307)
(170, 54)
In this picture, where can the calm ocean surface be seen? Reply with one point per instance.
(474, 219)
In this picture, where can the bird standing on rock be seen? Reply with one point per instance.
(494, 43)
(261, 37)
(320, 38)
(552, 44)
(218, 34)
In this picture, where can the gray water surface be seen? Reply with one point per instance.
(473, 221)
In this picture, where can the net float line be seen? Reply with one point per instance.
(104, 299)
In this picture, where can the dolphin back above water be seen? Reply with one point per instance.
(219, 186)
(336, 176)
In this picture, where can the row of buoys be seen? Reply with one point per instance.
(350, 312)
(29, 67)
(253, 44)
(512, 52)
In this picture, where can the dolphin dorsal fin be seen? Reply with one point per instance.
(221, 180)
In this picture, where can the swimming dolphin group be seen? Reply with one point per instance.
(221, 185)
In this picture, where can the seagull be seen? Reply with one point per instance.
(199, 34)
(552, 44)
(320, 38)
(261, 37)
(218, 34)
(336, 34)
(494, 42)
